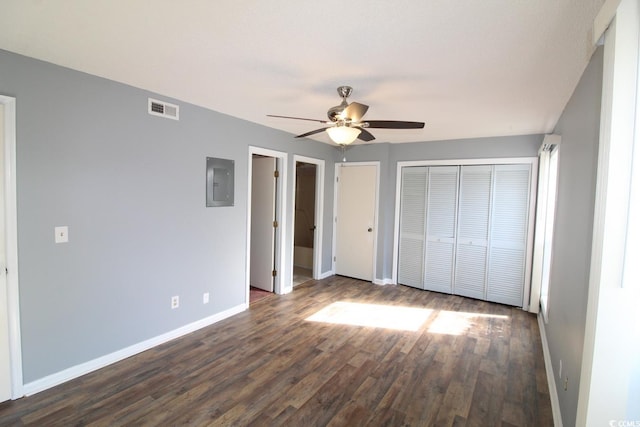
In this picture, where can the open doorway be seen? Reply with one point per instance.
(305, 222)
(266, 223)
(308, 192)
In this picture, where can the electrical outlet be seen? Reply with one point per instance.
(205, 298)
(175, 302)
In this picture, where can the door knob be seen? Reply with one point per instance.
(369, 229)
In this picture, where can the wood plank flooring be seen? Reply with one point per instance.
(470, 363)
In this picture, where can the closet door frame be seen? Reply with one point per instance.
(533, 161)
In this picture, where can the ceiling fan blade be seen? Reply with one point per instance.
(297, 118)
(355, 111)
(393, 124)
(365, 135)
(313, 132)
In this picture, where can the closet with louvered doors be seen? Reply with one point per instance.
(464, 230)
(428, 225)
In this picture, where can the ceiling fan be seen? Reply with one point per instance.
(345, 123)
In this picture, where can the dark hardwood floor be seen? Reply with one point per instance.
(469, 363)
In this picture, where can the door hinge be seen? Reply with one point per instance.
(274, 273)
(276, 174)
(337, 179)
(275, 224)
(334, 259)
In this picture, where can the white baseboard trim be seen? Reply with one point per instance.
(326, 274)
(553, 391)
(95, 364)
(383, 282)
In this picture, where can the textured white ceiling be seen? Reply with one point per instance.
(467, 68)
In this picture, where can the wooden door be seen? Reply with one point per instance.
(263, 207)
(355, 221)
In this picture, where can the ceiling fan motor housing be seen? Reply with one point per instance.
(334, 112)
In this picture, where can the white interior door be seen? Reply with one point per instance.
(263, 207)
(5, 360)
(413, 212)
(355, 221)
(428, 227)
(508, 234)
(473, 231)
(442, 202)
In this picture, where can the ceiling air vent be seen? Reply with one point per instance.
(164, 109)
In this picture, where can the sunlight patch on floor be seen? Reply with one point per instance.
(374, 315)
(457, 322)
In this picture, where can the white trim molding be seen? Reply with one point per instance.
(606, 376)
(383, 282)
(106, 360)
(281, 286)
(548, 367)
(11, 236)
(326, 274)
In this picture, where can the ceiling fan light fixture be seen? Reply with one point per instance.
(343, 135)
(345, 122)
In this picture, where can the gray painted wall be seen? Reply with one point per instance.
(390, 154)
(579, 127)
(130, 186)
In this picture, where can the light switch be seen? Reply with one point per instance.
(62, 234)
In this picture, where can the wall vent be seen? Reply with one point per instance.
(164, 109)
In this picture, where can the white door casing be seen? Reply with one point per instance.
(263, 208)
(5, 357)
(282, 282)
(9, 301)
(355, 220)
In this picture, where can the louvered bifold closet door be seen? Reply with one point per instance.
(413, 214)
(508, 237)
(473, 231)
(442, 198)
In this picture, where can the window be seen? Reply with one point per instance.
(550, 158)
